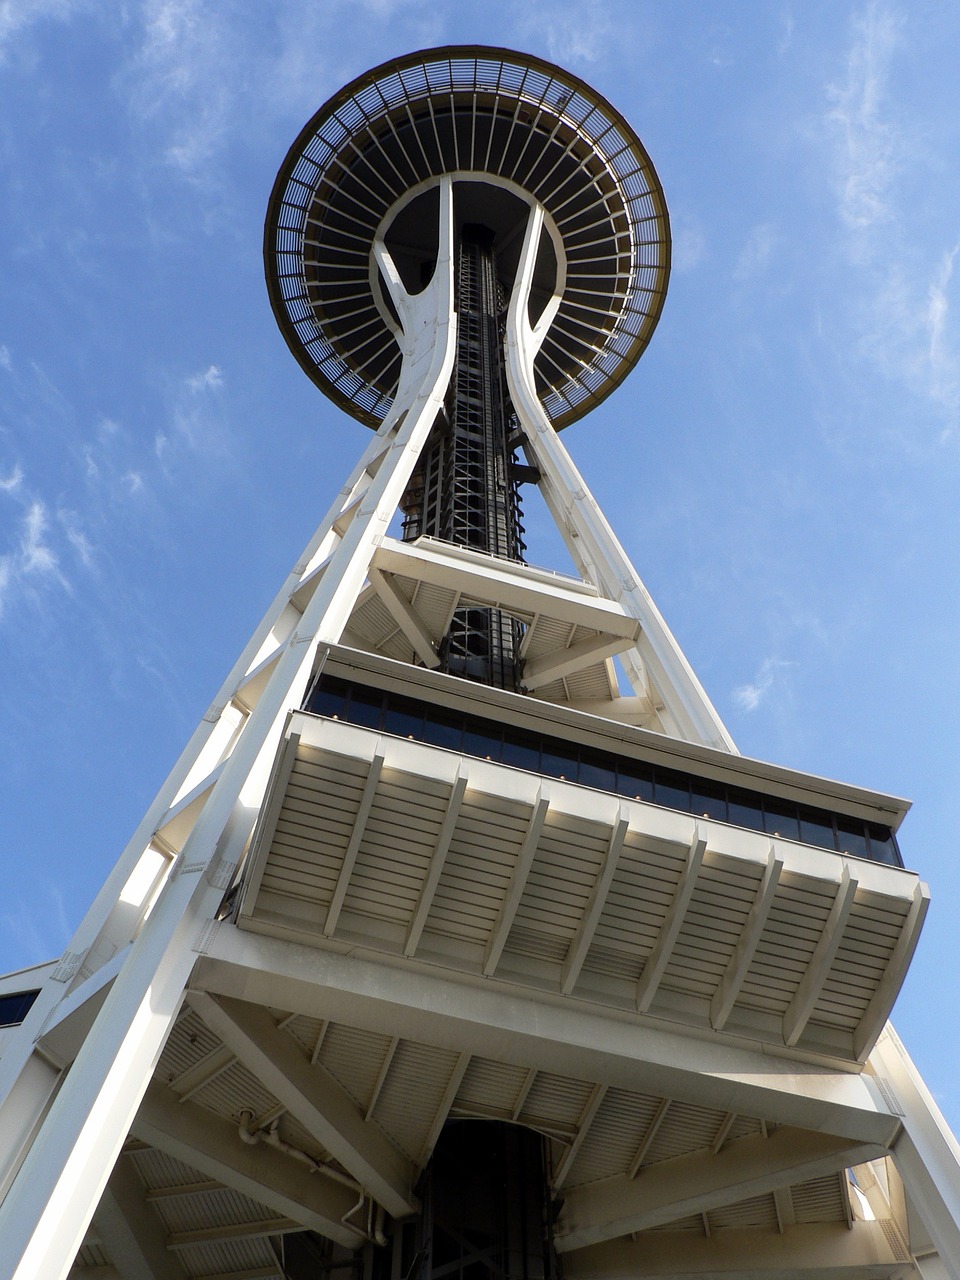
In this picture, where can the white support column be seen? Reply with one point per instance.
(49, 1205)
(591, 541)
(926, 1153)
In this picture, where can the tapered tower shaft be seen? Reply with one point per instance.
(463, 489)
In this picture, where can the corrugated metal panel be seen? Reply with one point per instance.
(569, 858)
(354, 1058)
(188, 1043)
(758, 1211)
(157, 1169)
(412, 1093)
(555, 1102)
(821, 1200)
(226, 1256)
(794, 927)
(712, 926)
(203, 1209)
(232, 1091)
(478, 868)
(693, 1224)
(306, 1031)
(398, 842)
(686, 1128)
(640, 895)
(614, 1138)
(490, 1087)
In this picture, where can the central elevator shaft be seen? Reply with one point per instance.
(463, 489)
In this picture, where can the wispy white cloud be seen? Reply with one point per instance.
(689, 244)
(176, 81)
(17, 16)
(211, 377)
(869, 144)
(574, 32)
(12, 482)
(900, 301)
(756, 253)
(749, 696)
(6, 360)
(196, 420)
(32, 560)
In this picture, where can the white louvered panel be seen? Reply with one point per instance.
(226, 1257)
(555, 1101)
(643, 888)
(569, 858)
(743, 1127)
(412, 1093)
(793, 929)
(157, 1169)
(433, 605)
(490, 1087)
(549, 636)
(692, 1224)
(614, 1138)
(686, 1128)
(837, 1006)
(354, 1058)
(772, 980)
(305, 1031)
(875, 931)
(314, 826)
(613, 962)
(188, 1042)
(296, 871)
(589, 684)
(819, 1201)
(90, 1255)
(326, 773)
(555, 691)
(712, 926)
(374, 623)
(398, 842)
(221, 1208)
(758, 1211)
(478, 867)
(536, 943)
(232, 1091)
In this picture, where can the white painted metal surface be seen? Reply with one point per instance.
(686, 1010)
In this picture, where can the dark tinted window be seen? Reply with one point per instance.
(404, 717)
(708, 799)
(780, 818)
(851, 837)
(744, 809)
(597, 770)
(816, 827)
(14, 1008)
(443, 728)
(523, 749)
(635, 779)
(671, 789)
(365, 706)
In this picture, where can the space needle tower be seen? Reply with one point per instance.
(461, 941)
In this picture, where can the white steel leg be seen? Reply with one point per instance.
(591, 541)
(48, 1207)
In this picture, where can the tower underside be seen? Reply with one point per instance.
(446, 949)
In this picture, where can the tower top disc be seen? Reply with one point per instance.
(512, 130)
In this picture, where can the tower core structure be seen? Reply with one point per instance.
(447, 947)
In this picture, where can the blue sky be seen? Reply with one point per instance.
(783, 466)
